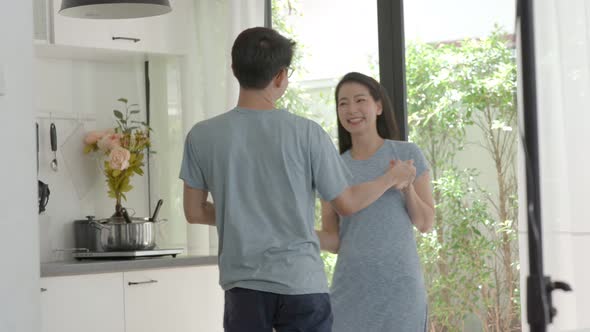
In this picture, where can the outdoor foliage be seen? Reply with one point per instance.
(461, 106)
(461, 100)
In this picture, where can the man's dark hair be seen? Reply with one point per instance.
(258, 54)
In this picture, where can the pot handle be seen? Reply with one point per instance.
(98, 225)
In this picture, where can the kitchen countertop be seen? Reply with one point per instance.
(89, 266)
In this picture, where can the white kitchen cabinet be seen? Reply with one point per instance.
(164, 34)
(89, 303)
(182, 299)
(168, 34)
(173, 300)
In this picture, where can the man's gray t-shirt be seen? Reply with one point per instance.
(262, 169)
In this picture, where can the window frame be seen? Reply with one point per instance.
(392, 58)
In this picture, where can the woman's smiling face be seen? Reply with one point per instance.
(357, 109)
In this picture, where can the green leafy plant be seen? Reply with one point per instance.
(461, 98)
(460, 101)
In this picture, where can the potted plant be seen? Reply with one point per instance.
(123, 149)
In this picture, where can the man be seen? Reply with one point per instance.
(262, 166)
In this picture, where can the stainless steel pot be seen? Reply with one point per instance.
(122, 236)
(114, 234)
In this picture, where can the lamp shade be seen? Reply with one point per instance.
(113, 9)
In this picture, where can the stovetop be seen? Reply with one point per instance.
(128, 254)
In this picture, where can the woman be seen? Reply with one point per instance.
(378, 283)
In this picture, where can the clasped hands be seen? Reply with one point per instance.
(404, 174)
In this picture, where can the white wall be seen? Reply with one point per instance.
(88, 89)
(562, 54)
(19, 277)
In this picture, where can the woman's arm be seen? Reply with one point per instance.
(420, 203)
(329, 234)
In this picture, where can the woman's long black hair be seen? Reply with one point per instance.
(386, 124)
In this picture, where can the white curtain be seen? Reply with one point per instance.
(190, 89)
(166, 119)
(562, 30)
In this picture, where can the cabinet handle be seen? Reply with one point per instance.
(133, 283)
(43, 289)
(135, 40)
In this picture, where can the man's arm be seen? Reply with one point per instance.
(196, 208)
(358, 197)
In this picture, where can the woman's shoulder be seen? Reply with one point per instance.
(402, 144)
(404, 148)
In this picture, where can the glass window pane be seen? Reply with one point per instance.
(461, 83)
(333, 37)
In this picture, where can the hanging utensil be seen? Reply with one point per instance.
(53, 138)
(157, 210)
(42, 188)
(37, 144)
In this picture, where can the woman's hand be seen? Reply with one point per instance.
(404, 173)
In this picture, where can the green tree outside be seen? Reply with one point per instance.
(461, 100)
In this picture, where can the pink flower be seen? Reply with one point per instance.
(119, 158)
(109, 142)
(93, 137)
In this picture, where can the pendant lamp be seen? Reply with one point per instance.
(114, 9)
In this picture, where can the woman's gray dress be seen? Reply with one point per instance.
(378, 284)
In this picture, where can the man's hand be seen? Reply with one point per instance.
(403, 172)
